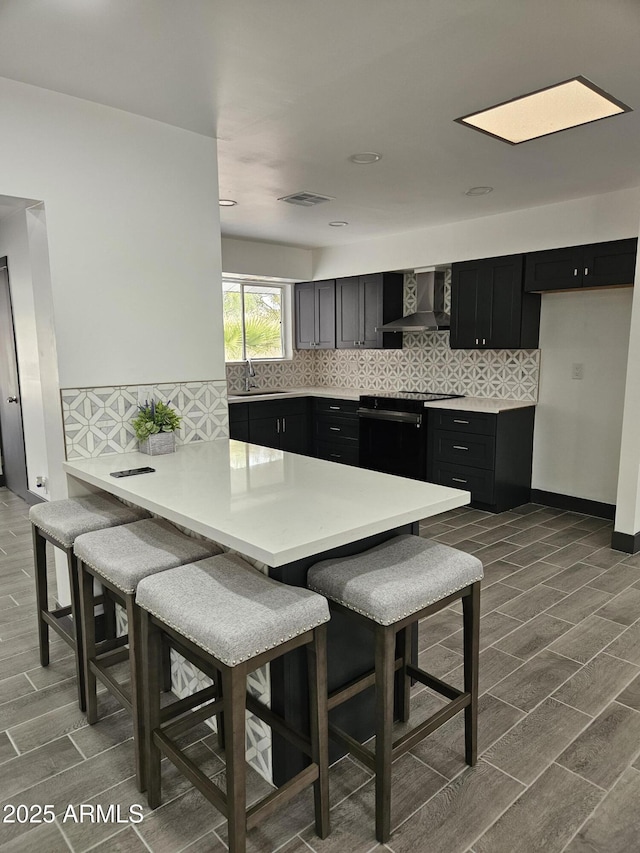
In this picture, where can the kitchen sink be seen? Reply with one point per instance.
(254, 393)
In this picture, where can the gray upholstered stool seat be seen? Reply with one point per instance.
(59, 523)
(229, 619)
(387, 590)
(120, 557)
(127, 554)
(395, 579)
(229, 609)
(65, 520)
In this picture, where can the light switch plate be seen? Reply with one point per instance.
(577, 370)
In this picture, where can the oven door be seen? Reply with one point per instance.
(393, 442)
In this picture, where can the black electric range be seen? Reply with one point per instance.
(393, 431)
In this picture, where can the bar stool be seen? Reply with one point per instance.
(388, 589)
(120, 558)
(60, 523)
(232, 618)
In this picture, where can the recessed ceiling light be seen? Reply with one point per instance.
(479, 191)
(365, 158)
(227, 202)
(338, 223)
(558, 107)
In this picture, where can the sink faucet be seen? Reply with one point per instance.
(249, 374)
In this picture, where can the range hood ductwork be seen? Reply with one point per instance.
(430, 314)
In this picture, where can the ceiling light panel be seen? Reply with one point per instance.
(559, 107)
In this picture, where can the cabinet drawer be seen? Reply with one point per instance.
(238, 412)
(480, 483)
(277, 408)
(464, 448)
(337, 429)
(478, 422)
(345, 453)
(331, 406)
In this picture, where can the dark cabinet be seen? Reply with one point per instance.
(283, 424)
(315, 315)
(335, 428)
(364, 303)
(489, 455)
(595, 265)
(489, 309)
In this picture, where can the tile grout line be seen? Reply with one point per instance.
(63, 833)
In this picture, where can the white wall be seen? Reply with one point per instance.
(14, 243)
(249, 257)
(610, 216)
(579, 422)
(133, 226)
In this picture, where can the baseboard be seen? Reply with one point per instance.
(573, 504)
(33, 498)
(627, 542)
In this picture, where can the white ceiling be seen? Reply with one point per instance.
(291, 88)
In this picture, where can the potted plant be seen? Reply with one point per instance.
(155, 426)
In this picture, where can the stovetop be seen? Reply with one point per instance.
(397, 400)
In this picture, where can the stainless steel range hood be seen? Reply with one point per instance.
(430, 314)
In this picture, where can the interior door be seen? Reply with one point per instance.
(14, 464)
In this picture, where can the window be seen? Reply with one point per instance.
(254, 319)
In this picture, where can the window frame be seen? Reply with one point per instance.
(286, 315)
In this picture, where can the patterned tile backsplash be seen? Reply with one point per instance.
(97, 421)
(425, 363)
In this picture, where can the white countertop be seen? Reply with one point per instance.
(490, 405)
(268, 504)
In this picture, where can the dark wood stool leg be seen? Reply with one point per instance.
(109, 608)
(471, 650)
(40, 567)
(137, 691)
(319, 723)
(234, 686)
(166, 667)
(88, 633)
(404, 680)
(151, 643)
(220, 716)
(385, 672)
(75, 614)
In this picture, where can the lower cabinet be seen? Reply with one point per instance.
(490, 455)
(283, 424)
(335, 430)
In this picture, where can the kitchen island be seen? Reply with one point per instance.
(284, 512)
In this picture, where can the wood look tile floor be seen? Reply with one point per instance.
(559, 717)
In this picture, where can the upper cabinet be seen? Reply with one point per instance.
(596, 265)
(315, 315)
(363, 303)
(488, 307)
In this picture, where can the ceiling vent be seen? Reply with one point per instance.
(306, 199)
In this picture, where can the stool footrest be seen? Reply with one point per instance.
(181, 715)
(434, 683)
(357, 685)
(354, 746)
(207, 788)
(112, 656)
(408, 741)
(62, 624)
(114, 687)
(283, 794)
(276, 722)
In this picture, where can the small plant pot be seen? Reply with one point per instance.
(156, 445)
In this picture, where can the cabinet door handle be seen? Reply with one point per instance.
(575, 272)
(458, 480)
(356, 343)
(336, 455)
(484, 342)
(335, 408)
(278, 425)
(335, 429)
(586, 270)
(456, 421)
(459, 447)
(477, 341)
(284, 425)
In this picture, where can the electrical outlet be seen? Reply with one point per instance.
(577, 370)
(41, 483)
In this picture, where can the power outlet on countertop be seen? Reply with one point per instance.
(577, 370)
(145, 393)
